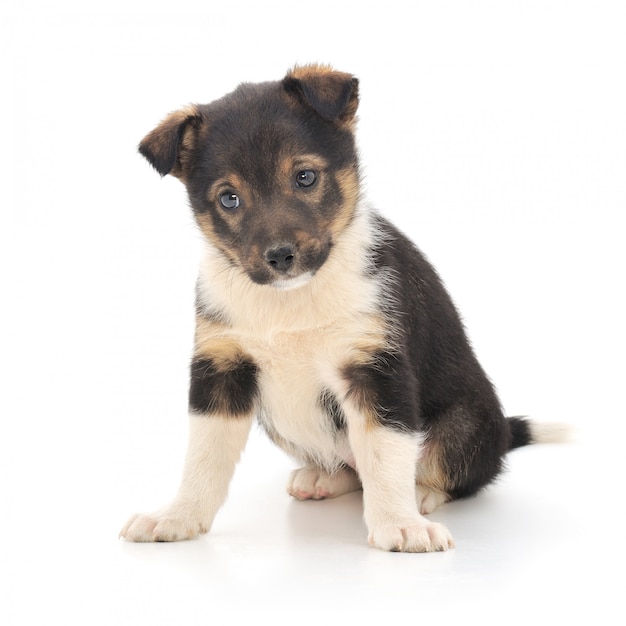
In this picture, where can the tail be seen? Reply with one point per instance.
(525, 432)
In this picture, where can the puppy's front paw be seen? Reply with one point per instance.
(166, 525)
(411, 536)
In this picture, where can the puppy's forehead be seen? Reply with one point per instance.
(257, 127)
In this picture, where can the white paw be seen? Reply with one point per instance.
(428, 501)
(313, 483)
(417, 535)
(173, 524)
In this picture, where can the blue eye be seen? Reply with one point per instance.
(305, 178)
(229, 200)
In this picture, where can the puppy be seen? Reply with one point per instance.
(318, 318)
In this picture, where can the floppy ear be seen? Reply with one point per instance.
(169, 147)
(334, 95)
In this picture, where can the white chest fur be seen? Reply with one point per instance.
(301, 338)
(294, 372)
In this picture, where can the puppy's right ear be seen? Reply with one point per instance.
(170, 146)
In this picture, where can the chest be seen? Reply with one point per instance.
(299, 382)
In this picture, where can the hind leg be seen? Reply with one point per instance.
(314, 483)
(462, 454)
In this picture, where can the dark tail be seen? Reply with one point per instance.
(525, 432)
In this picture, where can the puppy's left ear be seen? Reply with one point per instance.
(170, 146)
(333, 95)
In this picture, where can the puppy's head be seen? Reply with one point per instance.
(271, 170)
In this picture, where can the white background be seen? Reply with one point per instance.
(493, 133)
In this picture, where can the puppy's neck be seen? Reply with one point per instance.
(342, 287)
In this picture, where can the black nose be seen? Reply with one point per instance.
(280, 258)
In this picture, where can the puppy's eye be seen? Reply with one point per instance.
(305, 178)
(229, 200)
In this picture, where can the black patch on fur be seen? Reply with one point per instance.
(384, 388)
(333, 409)
(520, 432)
(231, 392)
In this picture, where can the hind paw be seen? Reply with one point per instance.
(428, 501)
(313, 483)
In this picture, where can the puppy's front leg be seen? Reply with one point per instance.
(386, 455)
(386, 460)
(222, 401)
(215, 445)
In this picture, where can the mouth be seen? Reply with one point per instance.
(288, 284)
(285, 272)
